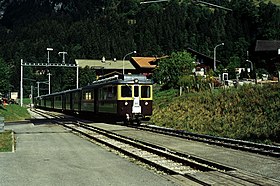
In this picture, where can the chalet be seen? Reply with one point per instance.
(202, 61)
(268, 51)
(139, 65)
(136, 65)
(104, 66)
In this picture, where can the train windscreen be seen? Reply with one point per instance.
(145, 91)
(126, 91)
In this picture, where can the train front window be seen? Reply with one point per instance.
(145, 91)
(136, 91)
(126, 91)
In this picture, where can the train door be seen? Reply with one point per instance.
(136, 108)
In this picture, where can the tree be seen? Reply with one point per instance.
(4, 77)
(171, 69)
(269, 21)
(87, 76)
(234, 62)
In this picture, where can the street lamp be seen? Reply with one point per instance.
(215, 55)
(49, 49)
(251, 64)
(134, 52)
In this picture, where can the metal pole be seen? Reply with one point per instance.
(49, 49)
(215, 59)
(251, 64)
(77, 83)
(215, 55)
(21, 82)
(125, 57)
(63, 56)
(49, 74)
(38, 89)
(31, 96)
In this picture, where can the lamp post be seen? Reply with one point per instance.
(251, 64)
(49, 49)
(254, 73)
(134, 52)
(215, 55)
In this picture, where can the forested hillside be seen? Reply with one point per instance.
(112, 28)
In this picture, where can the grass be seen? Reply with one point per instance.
(13, 112)
(6, 141)
(247, 113)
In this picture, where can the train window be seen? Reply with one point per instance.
(136, 91)
(108, 93)
(126, 91)
(145, 91)
(87, 95)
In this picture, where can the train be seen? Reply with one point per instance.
(125, 97)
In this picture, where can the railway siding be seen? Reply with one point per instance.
(163, 160)
(242, 161)
(242, 168)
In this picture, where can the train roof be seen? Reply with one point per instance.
(116, 79)
(121, 79)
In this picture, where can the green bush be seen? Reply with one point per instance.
(248, 113)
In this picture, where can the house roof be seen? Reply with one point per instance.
(98, 64)
(267, 45)
(192, 51)
(207, 59)
(145, 62)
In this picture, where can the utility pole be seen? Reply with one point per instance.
(63, 56)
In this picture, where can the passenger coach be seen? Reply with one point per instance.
(121, 97)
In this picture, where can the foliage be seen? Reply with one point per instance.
(6, 141)
(13, 112)
(234, 62)
(247, 113)
(4, 77)
(260, 72)
(92, 29)
(87, 76)
(163, 97)
(171, 69)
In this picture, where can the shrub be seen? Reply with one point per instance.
(248, 113)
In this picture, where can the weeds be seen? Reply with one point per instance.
(248, 113)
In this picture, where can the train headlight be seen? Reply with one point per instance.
(126, 103)
(136, 80)
(146, 103)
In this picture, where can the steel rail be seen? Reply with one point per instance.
(269, 150)
(220, 173)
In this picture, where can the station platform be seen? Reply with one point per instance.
(51, 155)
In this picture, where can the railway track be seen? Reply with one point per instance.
(268, 150)
(196, 169)
(263, 149)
